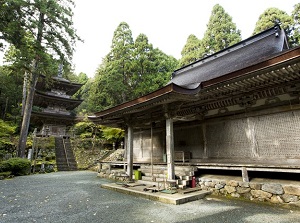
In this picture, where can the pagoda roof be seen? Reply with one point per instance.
(43, 100)
(58, 83)
(40, 118)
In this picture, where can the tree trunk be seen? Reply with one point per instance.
(27, 113)
(24, 93)
(32, 78)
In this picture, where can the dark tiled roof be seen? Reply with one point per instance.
(246, 53)
(43, 100)
(58, 83)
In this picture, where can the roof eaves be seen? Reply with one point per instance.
(168, 89)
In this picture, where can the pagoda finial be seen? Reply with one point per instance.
(60, 70)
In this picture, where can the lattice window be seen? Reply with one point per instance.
(228, 139)
(278, 135)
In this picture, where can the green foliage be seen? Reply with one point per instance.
(131, 69)
(17, 166)
(7, 130)
(4, 174)
(40, 31)
(112, 134)
(151, 68)
(45, 143)
(10, 25)
(191, 51)
(98, 133)
(2, 154)
(271, 17)
(10, 94)
(107, 89)
(221, 31)
(47, 28)
(296, 25)
(83, 94)
(87, 129)
(119, 63)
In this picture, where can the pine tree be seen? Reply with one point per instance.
(221, 31)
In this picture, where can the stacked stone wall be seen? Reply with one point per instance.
(264, 192)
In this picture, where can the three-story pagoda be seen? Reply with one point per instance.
(54, 105)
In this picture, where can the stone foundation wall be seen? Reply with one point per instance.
(265, 192)
(117, 174)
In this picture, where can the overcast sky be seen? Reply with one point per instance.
(166, 23)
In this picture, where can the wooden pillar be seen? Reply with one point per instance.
(151, 138)
(130, 151)
(245, 174)
(205, 152)
(170, 149)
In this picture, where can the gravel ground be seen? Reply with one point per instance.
(77, 197)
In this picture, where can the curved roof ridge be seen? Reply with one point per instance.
(236, 57)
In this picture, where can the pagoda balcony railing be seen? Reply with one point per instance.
(62, 95)
(47, 133)
(55, 111)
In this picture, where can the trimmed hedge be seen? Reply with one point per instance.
(17, 166)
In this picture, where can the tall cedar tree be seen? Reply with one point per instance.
(119, 62)
(130, 70)
(113, 75)
(191, 51)
(151, 67)
(142, 65)
(221, 31)
(296, 25)
(271, 17)
(10, 25)
(40, 30)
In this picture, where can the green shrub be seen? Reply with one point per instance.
(17, 166)
(4, 166)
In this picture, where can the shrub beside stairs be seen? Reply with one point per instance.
(65, 160)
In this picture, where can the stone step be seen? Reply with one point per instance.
(183, 182)
(164, 167)
(156, 171)
(64, 155)
(145, 178)
(148, 172)
(185, 177)
(160, 175)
